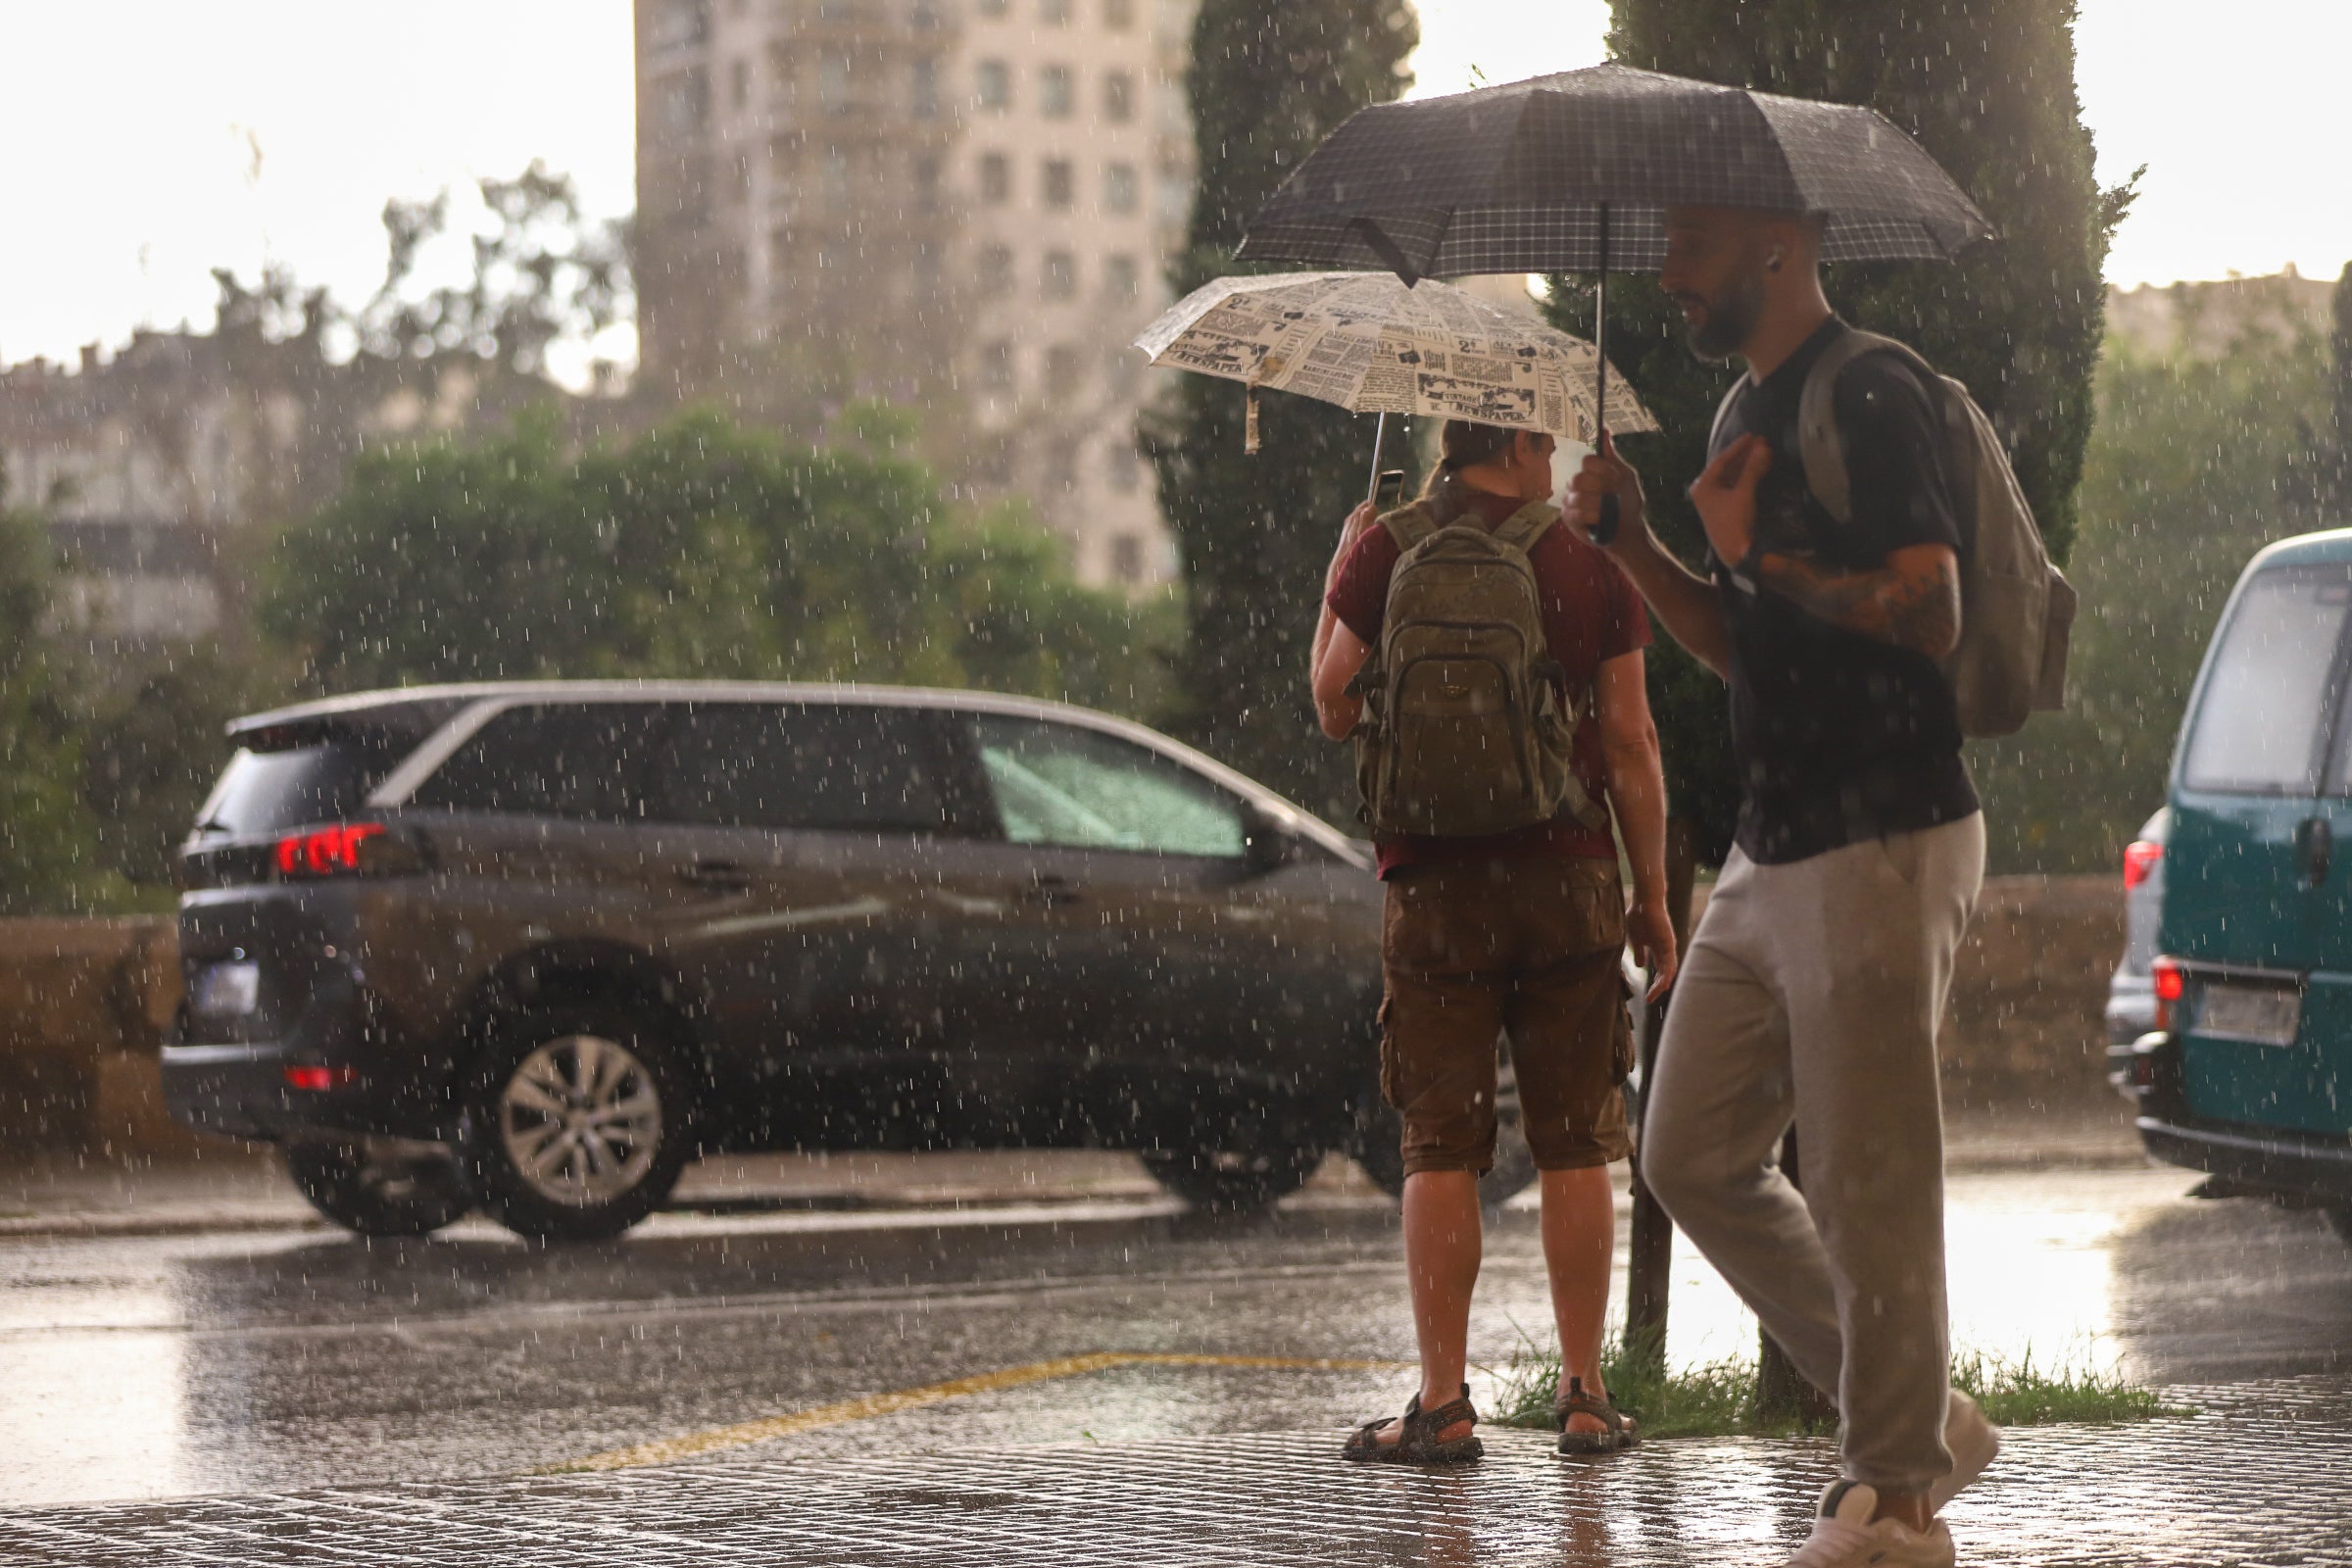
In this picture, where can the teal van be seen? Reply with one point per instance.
(2248, 1074)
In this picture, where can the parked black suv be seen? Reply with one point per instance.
(578, 933)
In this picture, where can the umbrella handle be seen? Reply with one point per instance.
(1380, 433)
(1611, 513)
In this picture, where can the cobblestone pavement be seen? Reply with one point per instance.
(2259, 1476)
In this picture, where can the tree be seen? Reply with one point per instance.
(1269, 83)
(1989, 89)
(700, 548)
(2186, 477)
(47, 836)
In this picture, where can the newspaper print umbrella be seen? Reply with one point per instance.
(1574, 173)
(1372, 345)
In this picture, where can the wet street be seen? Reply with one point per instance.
(162, 1367)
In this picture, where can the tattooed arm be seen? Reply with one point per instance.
(1913, 601)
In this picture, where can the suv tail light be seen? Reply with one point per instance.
(2142, 857)
(338, 851)
(2171, 983)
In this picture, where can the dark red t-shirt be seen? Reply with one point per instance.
(1591, 614)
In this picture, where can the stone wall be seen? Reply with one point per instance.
(83, 1002)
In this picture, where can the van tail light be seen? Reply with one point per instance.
(2142, 857)
(318, 1080)
(336, 851)
(2171, 983)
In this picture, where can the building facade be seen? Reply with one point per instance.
(967, 205)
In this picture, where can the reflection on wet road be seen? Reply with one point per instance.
(173, 1365)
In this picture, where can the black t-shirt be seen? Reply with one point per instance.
(1840, 737)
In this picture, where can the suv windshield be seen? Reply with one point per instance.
(270, 790)
(2271, 688)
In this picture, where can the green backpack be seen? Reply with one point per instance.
(1463, 730)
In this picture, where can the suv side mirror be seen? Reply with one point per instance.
(1269, 839)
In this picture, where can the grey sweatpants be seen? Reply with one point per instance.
(1812, 990)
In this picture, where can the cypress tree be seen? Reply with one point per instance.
(1268, 82)
(2335, 447)
(1987, 88)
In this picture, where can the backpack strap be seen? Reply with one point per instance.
(1823, 449)
(1408, 525)
(1522, 528)
(1723, 411)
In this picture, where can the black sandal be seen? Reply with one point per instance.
(1617, 1428)
(1418, 1442)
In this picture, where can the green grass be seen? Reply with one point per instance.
(1721, 1399)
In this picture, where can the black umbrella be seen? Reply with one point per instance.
(1574, 173)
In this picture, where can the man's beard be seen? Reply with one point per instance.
(1726, 321)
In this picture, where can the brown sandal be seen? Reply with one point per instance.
(1618, 1430)
(1418, 1442)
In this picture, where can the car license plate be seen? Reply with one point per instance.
(2267, 1015)
(226, 990)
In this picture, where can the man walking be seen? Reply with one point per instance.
(1814, 984)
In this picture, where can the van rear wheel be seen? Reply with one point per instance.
(578, 1123)
(1232, 1181)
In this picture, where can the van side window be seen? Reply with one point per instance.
(803, 766)
(1079, 788)
(577, 760)
(2261, 725)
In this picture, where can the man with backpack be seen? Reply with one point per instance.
(1850, 498)
(1489, 663)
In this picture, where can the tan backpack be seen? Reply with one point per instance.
(1463, 731)
(2016, 610)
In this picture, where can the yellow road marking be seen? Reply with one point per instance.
(715, 1439)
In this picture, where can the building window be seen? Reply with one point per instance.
(1060, 276)
(1061, 183)
(1054, 93)
(923, 91)
(833, 178)
(926, 183)
(1119, 277)
(1065, 376)
(992, 9)
(925, 15)
(1124, 470)
(1127, 551)
(1118, 97)
(996, 365)
(1119, 187)
(1053, 13)
(1061, 463)
(681, 22)
(1118, 14)
(685, 103)
(994, 270)
(739, 84)
(995, 82)
(1175, 199)
(996, 179)
(833, 70)
(926, 272)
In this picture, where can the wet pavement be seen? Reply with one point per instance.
(292, 1396)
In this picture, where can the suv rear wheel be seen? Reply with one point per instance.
(1514, 1166)
(1232, 1181)
(381, 1186)
(577, 1127)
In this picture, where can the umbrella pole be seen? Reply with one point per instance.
(1380, 433)
(1606, 528)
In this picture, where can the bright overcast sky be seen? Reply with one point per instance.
(131, 129)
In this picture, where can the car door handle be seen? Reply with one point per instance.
(717, 876)
(1051, 892)
(2315, 849)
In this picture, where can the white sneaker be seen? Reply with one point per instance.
(1973, 1443)
(1844, 1536)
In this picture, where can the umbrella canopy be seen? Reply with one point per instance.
(1574, 173)
(1368, 343)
